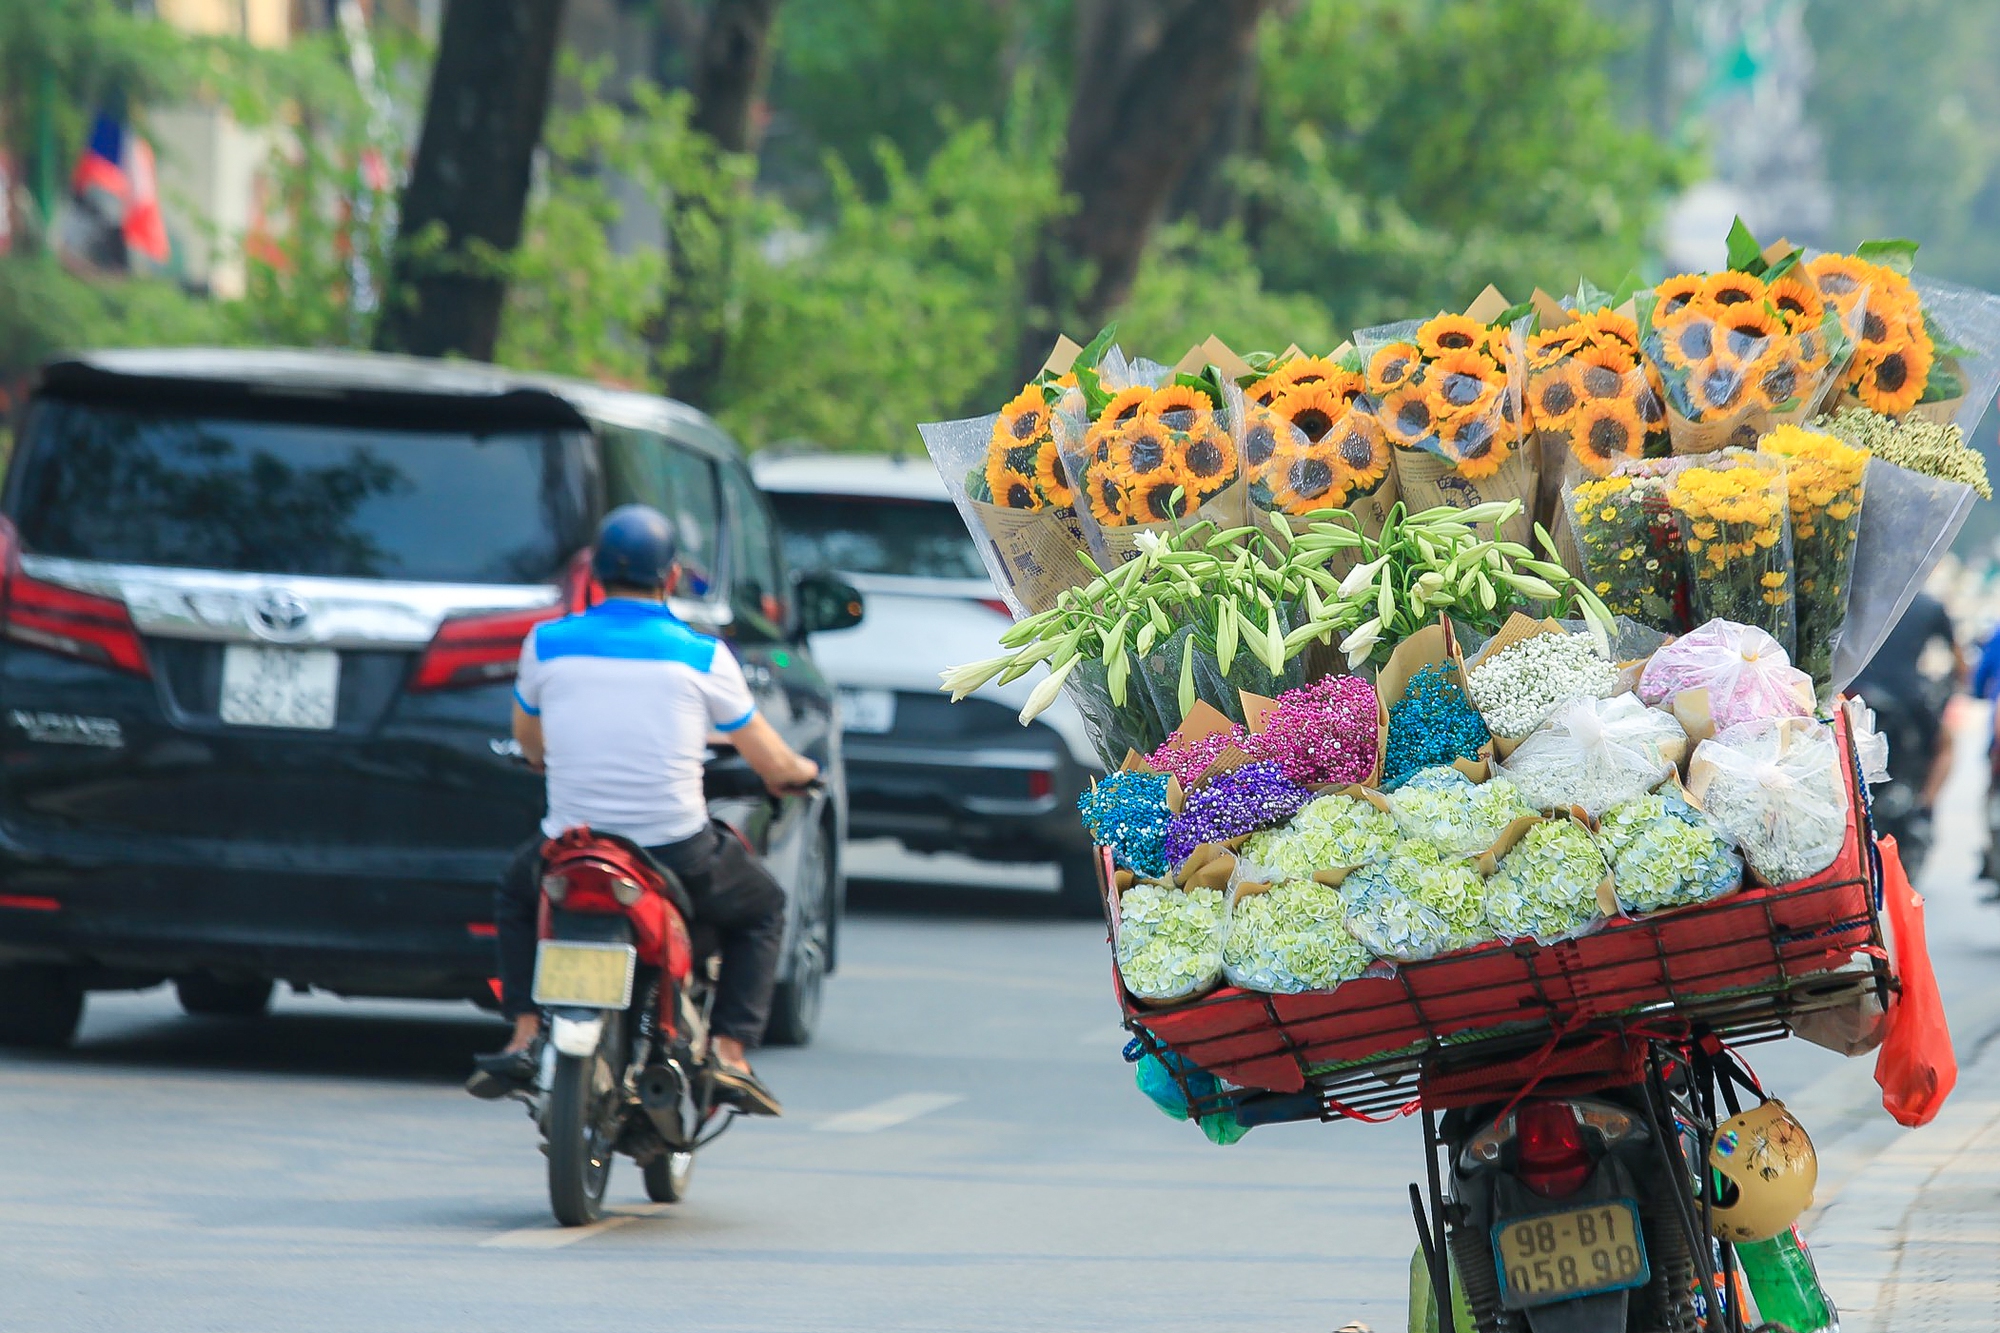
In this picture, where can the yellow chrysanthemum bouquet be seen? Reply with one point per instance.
(1823, 479)
(1446, 395)
(1734, 513)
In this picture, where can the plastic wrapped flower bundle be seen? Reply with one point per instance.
(1630, 542)
(1448, 811)
(1305, 447)
(1189, 759)
(1596, 753)
(1777, 789)
(1170, 940)
(1255, 796)
(1665, 853)
(1128, 813)
(1323, 734)
(1432, 724)
(1518, 687)
(1334, 832)
(1416, 904)
(1292, 938)
(1747, 674)
(1926, 447)
(1545, 887)
(1824, 478)
(1735, 517)
(1587, 394)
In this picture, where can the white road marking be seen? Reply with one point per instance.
(885, 1114)
(555, 1237)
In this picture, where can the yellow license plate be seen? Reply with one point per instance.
(1549, 1257)
(590, 976)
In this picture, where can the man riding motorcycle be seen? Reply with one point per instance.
(616, 705)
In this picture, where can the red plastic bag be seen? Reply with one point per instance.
(1916, 1067)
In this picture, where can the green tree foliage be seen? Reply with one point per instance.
(1414, 150)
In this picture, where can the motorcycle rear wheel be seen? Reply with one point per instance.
(668, 1176)
(578, 1146)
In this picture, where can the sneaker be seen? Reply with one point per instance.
(739, 1087)
(502, 1072)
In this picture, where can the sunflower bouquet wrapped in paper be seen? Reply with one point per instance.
(1447, 396)
(1734, 511)
(1824, 477)
(1628, 542)
(1147, 448)
(1591, 401)
(1306, 448)
(1900, 365)
(1010, 486)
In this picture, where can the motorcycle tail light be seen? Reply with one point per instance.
(555, 888)
(626, 891)
(1551, 1158)
(1609, 1123)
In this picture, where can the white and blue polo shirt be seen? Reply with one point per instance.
(627, 695)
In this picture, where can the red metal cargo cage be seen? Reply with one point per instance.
(1742, 966)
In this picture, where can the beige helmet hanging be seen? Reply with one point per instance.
(1768, 1170)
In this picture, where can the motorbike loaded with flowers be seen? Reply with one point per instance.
(1471, 696)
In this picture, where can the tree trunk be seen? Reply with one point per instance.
(728, 61)
(1151, 76)
(489, 95)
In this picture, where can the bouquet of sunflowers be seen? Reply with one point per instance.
(1902, 365)
(1147, 448)
(1447, 396)
(1307, 446)
(1010, 485)
(1591, 402)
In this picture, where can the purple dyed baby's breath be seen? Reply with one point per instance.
(1322, 734)
(1188, 760)
(1255, 796)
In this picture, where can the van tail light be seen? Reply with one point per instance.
(1550, 1157)
(481, 649)
(60, 620)
(995, 605)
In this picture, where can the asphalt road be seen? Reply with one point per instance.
(964, 1151)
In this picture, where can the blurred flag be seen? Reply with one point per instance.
(115, 178)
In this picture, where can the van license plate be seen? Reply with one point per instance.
(590, 976)
(868, 712)
(280, 687)
(1548, 1257)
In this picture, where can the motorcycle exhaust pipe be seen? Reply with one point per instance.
(668, 1102)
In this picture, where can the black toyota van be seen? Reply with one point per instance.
(259, 615)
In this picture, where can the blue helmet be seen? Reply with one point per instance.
(635, 548)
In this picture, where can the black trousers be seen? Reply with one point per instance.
(733, 895)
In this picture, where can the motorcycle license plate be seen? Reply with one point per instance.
(1548, 1257)
(589, 976)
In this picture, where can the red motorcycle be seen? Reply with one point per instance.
(627, 988)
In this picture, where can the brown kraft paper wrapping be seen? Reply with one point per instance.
(1433, 645)
(1427, 481)
(1038, 550)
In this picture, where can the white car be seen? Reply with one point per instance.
(936, 776)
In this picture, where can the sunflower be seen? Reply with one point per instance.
(1307, 370)
(1687, 339)
(1143, 448)
(1810, 349)
(1012, 489)
(1719, 386)
(1650, 401)
(1051, 476)
(1780, 380)
(1608, 328)
(1107, 496)
(1473, 447)
(1346, 385)
(1407, 417)
(1601, 372)
(1125, 405)
(1265, 391)
(1798, 302)
(1553, 345)
(1264, 435)
(1607, 432)
(1025, 419)
(1310, 409)
(1553, 394)
(1748, 331)
(1154, 500)
(1210, 458)
(1459, 381)
(1842, 279)
(1498, 347)
(1391, 367)
(1308, 478)
(1179, 408)
(1362, 451)
(1730, 288)
(1677, 293)
(1450, 333)
(1894, 379)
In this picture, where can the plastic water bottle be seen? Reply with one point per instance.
(1785, 1285)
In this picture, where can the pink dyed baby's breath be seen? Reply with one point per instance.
(1322, 734)
(1188, 760)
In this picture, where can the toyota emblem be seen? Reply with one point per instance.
(279, 614)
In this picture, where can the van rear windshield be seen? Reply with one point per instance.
(130, 486)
